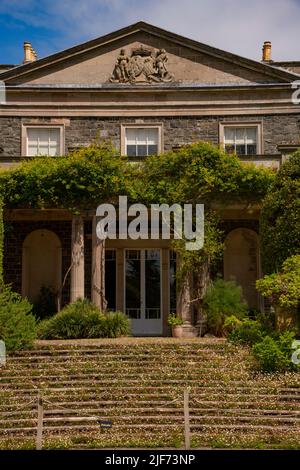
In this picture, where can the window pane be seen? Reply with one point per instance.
(251, 150)
(141, 136)
(251, 135)
(110, 279)
(229, 135)
(240, 136)
(152, 150)
(241, 149)
(152, 135)
(32, 150)
(131, 151)
(43, 149)
(152, 287)
(172, 271)
(142, 150)
(43, 135)
(131, 136)
(133, 284)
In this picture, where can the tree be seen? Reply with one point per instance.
(283, 289)
(280, 218)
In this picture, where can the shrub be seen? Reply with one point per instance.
(82, 319)
(247, 332)
(77, 320)
(230, 324)
(223, 299)
(115, 324)
(273, 355)
(17, 324)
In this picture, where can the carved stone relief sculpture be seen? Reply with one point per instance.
(143, 65)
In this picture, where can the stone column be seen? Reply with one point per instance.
(98, 269)
(77, 259)
(184, 306)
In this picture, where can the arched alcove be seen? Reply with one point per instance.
(41, 264)
(241, 262)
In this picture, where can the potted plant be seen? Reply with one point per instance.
(175, 323)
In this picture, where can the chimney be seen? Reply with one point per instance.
(29, 53)
(266, 51)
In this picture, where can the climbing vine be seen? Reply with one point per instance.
(198, 173)
(280, 217)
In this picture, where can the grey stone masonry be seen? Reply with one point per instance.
(276, 129)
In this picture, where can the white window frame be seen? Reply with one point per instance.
(141, 126)
(25, 127)
(246, 124)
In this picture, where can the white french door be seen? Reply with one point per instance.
(143, 291)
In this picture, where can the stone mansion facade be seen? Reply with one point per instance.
(148, 91)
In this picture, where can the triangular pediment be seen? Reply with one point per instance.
(144, 54)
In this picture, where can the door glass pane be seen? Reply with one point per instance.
(133, 283)
(110, 279)
(152, 281)
(172, 271)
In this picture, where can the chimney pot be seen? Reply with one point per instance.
(266, 51)
(29, 53)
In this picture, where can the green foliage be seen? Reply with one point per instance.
(1, 242)
(284, 287)
(202, 172)
(174, 320)
(247, 332)
(17, 324)
(82, 180)
(230, 324)
(45, 306)
(223, 299)
(115, 324)
(82, 319)
(273, 355)
(280, 217)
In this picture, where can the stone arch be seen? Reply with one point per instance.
(242, 262)
(41, 263)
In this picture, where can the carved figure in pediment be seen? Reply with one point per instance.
(120, 73)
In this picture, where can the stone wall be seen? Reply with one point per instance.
(277, 129)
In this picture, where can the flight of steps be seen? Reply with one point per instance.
(139, 386)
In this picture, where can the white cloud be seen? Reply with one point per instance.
(237, 26)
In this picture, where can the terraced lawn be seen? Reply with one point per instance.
(138, 384)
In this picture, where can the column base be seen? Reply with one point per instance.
(189, 331)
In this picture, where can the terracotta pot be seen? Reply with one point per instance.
(177, 331)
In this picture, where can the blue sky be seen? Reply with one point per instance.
(238, 26)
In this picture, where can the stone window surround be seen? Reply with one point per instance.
(41, 125)
(155, 125)
(257, 124)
